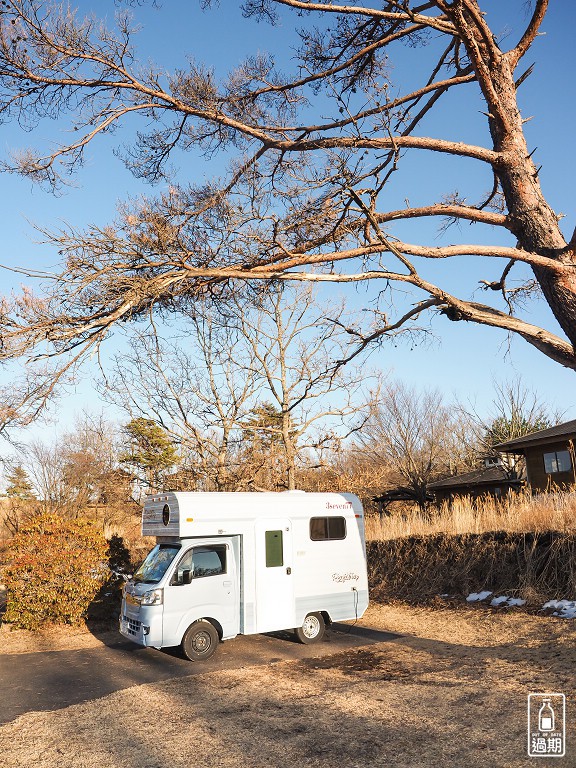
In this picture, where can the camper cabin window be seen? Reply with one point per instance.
(156, 564)
(557, 461)
(327, 528)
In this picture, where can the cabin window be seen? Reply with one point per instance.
(274, 549)
(208, 561)
(201, 561)
(327, 528)
(557, 461)
(156, 564)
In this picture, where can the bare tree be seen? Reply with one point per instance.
(251, 395)
(196, 386)
(515, 411)
(23, 399)
(307, 196)
(43, 463)
(79, 474)
(417, 436)
(298, 352)
(353, 470)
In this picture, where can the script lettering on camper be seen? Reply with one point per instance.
(342, 577)
(341, 505)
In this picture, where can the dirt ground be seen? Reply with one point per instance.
(451, 691)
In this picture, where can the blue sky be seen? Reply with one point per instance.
(462, 360)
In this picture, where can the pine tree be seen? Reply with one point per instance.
(19, 485)
(150, 451)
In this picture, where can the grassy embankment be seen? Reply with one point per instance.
(524, 547)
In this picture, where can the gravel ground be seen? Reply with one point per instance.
(451, 691)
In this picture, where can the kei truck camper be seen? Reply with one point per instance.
(243, 563)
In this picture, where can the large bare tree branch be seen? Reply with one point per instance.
(434, 22)
(309, 195)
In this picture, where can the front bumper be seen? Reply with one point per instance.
(141, 625)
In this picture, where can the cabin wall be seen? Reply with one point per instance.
(538, 478)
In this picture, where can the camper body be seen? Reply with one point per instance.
(245, 563)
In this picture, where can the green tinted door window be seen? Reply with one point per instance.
(274, 549)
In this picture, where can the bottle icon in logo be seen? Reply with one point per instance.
(546, 717)
(546, 725)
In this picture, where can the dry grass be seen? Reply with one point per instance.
(534, 566)
(425, 699)
(518, 514)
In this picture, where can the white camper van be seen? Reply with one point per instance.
(244, 563)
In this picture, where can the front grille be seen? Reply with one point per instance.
(132, 625)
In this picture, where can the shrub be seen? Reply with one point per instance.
(55, 567)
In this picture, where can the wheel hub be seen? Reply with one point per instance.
(201, 642)
(311, 626)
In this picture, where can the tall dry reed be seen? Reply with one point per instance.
(520, 513)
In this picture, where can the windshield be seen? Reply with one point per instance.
(156, 563)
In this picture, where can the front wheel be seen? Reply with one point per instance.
(312, 629)
(200, 641)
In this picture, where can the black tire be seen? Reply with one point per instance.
(312, 629)
(200, 641)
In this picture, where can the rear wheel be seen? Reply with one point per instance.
(200, 641)
(312, 629)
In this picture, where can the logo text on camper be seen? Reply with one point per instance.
(342, 577)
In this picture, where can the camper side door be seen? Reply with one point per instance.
(274, 579)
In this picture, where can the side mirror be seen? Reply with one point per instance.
(187, 577)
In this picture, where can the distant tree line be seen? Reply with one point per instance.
(407, 439)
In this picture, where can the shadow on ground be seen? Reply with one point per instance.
(55, 679)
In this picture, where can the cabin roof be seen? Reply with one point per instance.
(565, 430)
(478, 477)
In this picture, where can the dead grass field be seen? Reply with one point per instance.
(451, 691)
(518, 513)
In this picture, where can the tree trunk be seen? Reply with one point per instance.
(289, 451)
(534, 223)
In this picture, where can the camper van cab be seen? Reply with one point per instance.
(244, 563)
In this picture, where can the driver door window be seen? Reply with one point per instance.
(201, 562)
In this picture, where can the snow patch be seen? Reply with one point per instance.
(509, 602)
(565, 609)
(499, 600)
(475, 597)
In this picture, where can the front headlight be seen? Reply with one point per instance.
(152, 597)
